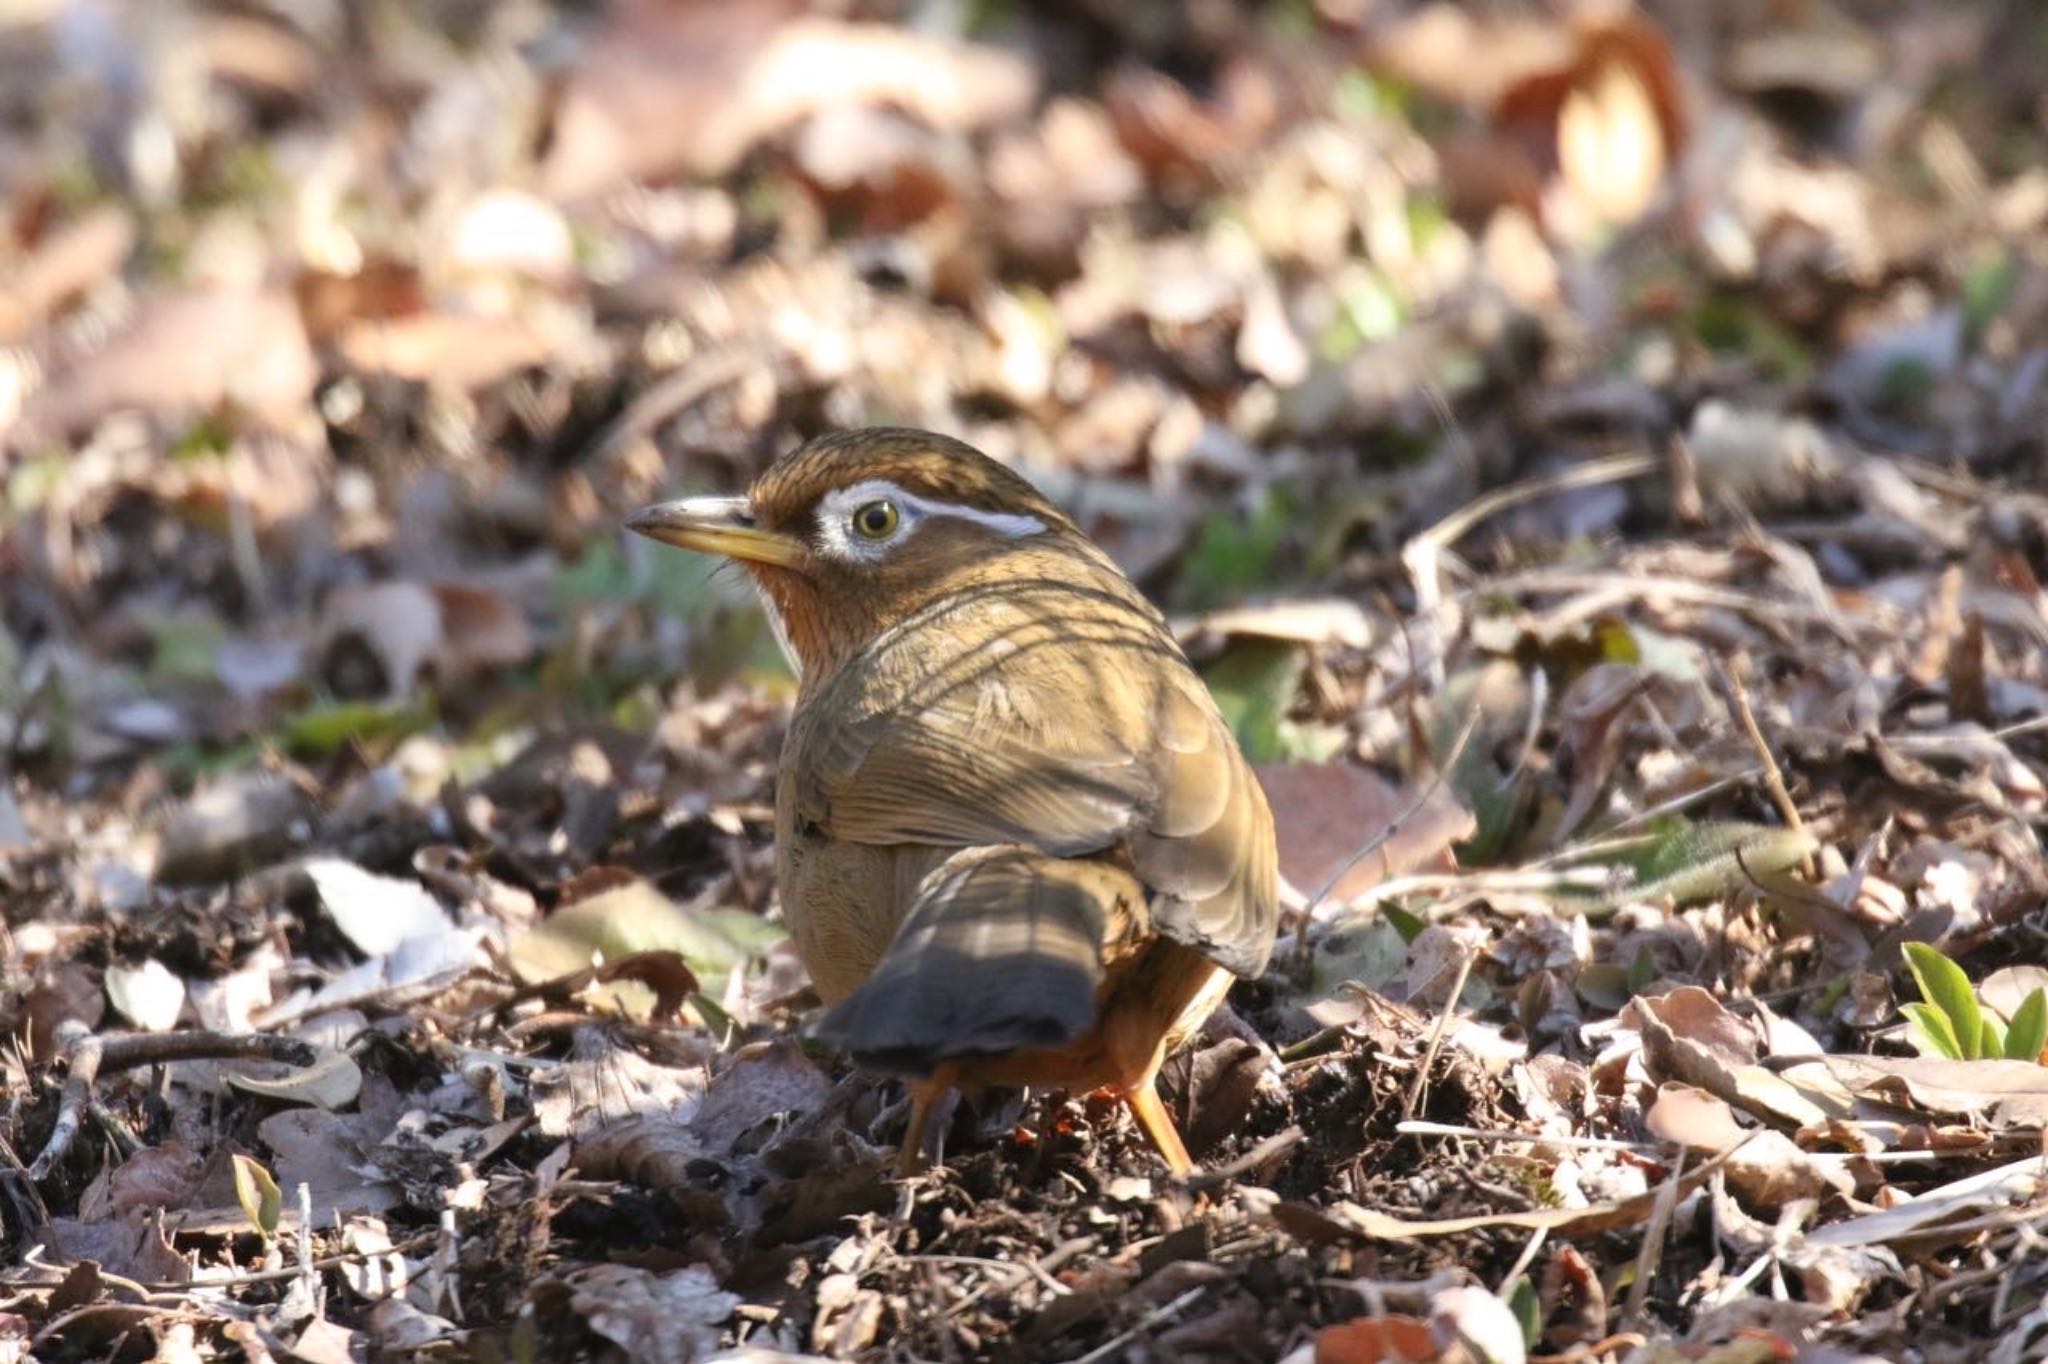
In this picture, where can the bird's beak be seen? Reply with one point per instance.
(716, 525)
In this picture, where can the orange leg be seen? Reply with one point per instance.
(927, 1104)
(1146, 1106)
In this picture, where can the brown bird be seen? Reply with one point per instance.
(1017, 844)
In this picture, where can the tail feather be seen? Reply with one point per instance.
(1001, 951)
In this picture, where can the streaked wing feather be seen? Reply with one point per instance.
(985, 745)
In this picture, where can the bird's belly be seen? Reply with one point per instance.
(843, 907)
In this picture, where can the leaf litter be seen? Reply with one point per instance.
(1594, 460)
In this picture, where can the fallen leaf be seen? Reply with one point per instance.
(696, 87)
(458, 350)
(148, 996)
(1479, 1322)
(636, 917)
(1325, 813)
(329, 1153)
(764, 1080)
(68, 262)
(374, 912)
(1391, 1339)
(2010, 1094)
(1687, 1035)
(657, 1318)
(186, 353)
(1954, 1210)
(1692, 1118)
(331, 1082)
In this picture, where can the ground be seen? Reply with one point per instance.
(1595, 457)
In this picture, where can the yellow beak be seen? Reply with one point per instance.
(716, 525)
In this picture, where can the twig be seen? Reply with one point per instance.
(1110, 1347)
(1522, 1261)
(124, 1051)
(1613, 469)
(1627, 586)
(82, 1055)
(670, 396)
(1654, 1233)
(86, 1054)
(31, 1215)
(1391, 828)
(1421, 1127)
(1280, 1141)
(1774, 779)
(1420, 1084)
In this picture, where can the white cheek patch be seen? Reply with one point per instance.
(836, 537)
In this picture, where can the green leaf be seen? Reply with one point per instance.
(1527, 1305)
(1408, 925)
(1943, 985)
(1991, 1038)
(2027, 1034)
(1928, 1029)
(1254, 684)
(324, 730)
(1234, 553)
(1987, 290)
(258, 1194)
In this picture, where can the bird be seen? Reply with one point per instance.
(1016, 843)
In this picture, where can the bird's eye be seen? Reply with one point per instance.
(876, 520)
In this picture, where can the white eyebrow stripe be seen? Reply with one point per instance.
(835, 507)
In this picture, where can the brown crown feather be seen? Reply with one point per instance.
(921, 462)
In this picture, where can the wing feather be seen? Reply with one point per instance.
(974, 735)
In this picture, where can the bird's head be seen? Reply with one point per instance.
(853, 532)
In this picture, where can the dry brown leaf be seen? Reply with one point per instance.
(1687, 1035)
(1181, 141)
(763, 1080)
(71, 261)
(2003, 1093)
(185, 353)
(658, 1318)
(1953, 1210)
(163, 1176)
(1611, 119)
(1324, 813)
(332, 1082)
(1466, 56)
(1391, 1339)
(696, 86)
(1314, 621)
(1692, 1117)
(457, 350)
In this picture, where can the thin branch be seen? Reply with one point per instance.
(1284, 1140)
(1774, 779)
(1419, 1086)
(86, 1054)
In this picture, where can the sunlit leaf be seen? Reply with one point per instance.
(2027, 1035)
(1930, 1032)
(1944, 986)
(257, 1192)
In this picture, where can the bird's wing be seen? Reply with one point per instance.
(1056, 716)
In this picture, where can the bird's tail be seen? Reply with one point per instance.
(1001, 951)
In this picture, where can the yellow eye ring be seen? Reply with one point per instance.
(876, 520)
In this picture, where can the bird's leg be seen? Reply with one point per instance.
(1146, 1106)
(927, 1111)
